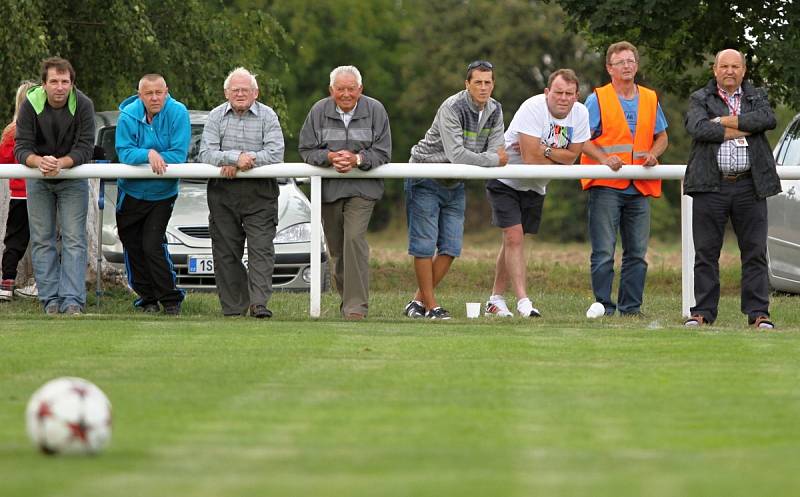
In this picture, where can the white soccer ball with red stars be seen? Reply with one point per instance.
(69, 416)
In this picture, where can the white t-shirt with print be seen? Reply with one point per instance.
(534, 119)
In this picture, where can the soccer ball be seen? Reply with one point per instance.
(69, 416)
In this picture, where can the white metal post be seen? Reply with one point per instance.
(316, 243)
(687, 255)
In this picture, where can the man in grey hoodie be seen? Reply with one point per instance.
(467, 129)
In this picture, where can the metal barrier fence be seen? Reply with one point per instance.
(406, 170)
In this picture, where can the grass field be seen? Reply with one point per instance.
(387, 407)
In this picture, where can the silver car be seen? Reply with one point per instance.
(783, 240)
(188, 239)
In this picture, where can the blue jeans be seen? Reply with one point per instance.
(62, 204)
(435, 217)
(611, 210)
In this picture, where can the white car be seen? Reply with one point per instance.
(783, 238)
(188, 239)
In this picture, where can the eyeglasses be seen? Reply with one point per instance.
(622, 63)
(480, 63)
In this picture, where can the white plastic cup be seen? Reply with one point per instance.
(473, 309)
(596, 310)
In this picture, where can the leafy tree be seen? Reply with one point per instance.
(682, 36)
(112, 43)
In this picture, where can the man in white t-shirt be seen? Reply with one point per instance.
(550, 128)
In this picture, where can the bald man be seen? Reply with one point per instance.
(153, 130)
(730, 174)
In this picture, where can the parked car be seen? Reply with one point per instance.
(188, 239)
(783, 239)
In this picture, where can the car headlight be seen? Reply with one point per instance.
(296, 233)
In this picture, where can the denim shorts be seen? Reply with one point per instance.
(435, 217)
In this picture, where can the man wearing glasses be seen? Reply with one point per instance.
(239, 135)
(628, 127)
(468, 129)
(153, 129)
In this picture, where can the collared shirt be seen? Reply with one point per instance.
(346, 116)
(732, 159)
(227, 134)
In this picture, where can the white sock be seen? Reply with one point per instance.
(495, 299)
(524, 306)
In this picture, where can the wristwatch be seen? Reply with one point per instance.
(716, 120)
(548, 152)
(358, 160)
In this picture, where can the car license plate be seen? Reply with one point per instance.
(204, 264)
(201, 264)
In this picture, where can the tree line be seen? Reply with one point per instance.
(412, 54)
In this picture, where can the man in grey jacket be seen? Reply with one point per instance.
(730, 174)
(345, 131)
(467, 129)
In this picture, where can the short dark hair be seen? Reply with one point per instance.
(619, 47)
(479, 65)
(60, 65)
(567, 75)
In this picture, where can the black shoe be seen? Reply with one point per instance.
(260, 311)
(172, 308)
(151, 308)
(414, 309)
(437, 313)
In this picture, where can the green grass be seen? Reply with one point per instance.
(562, 406)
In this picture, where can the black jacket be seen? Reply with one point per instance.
(756, 117)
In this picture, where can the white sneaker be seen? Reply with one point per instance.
(497, 307)
(527, 310)
(27, 292)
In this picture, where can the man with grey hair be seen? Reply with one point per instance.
(348, 130)
(239, 135)
(153, 130)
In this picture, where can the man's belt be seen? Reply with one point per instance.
(733, 178)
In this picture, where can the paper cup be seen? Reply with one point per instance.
(473, 309)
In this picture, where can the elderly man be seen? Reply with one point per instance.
(239, 135)
(348, 130)
(468, 129)
(730, 174)
(628, 127)
(55, 131)
(153, 129)
(549, 128)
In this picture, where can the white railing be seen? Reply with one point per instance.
(405, 170)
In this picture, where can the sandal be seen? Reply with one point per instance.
(763, 323)
(695, 320)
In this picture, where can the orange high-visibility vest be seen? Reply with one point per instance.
(616, 137)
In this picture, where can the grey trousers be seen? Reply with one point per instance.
(345, 224)
(242, 209)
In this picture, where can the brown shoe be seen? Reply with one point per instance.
(764, 323)
(354, 316)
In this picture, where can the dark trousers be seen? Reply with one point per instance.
(142, 225)
(748, 214)
(17, 236)
(243, 210)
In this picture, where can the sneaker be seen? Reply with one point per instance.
(73, 310)
(6, 290)
(151, 308)
(259, 311)
(437, 313)
(51, 309)
(27, 291)
(497, 308)
(172, 308)
(414, 310)
(526, 309)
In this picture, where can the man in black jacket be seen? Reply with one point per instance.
(730, 174)
(55, 131)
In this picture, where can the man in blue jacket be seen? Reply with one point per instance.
(153, 129)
